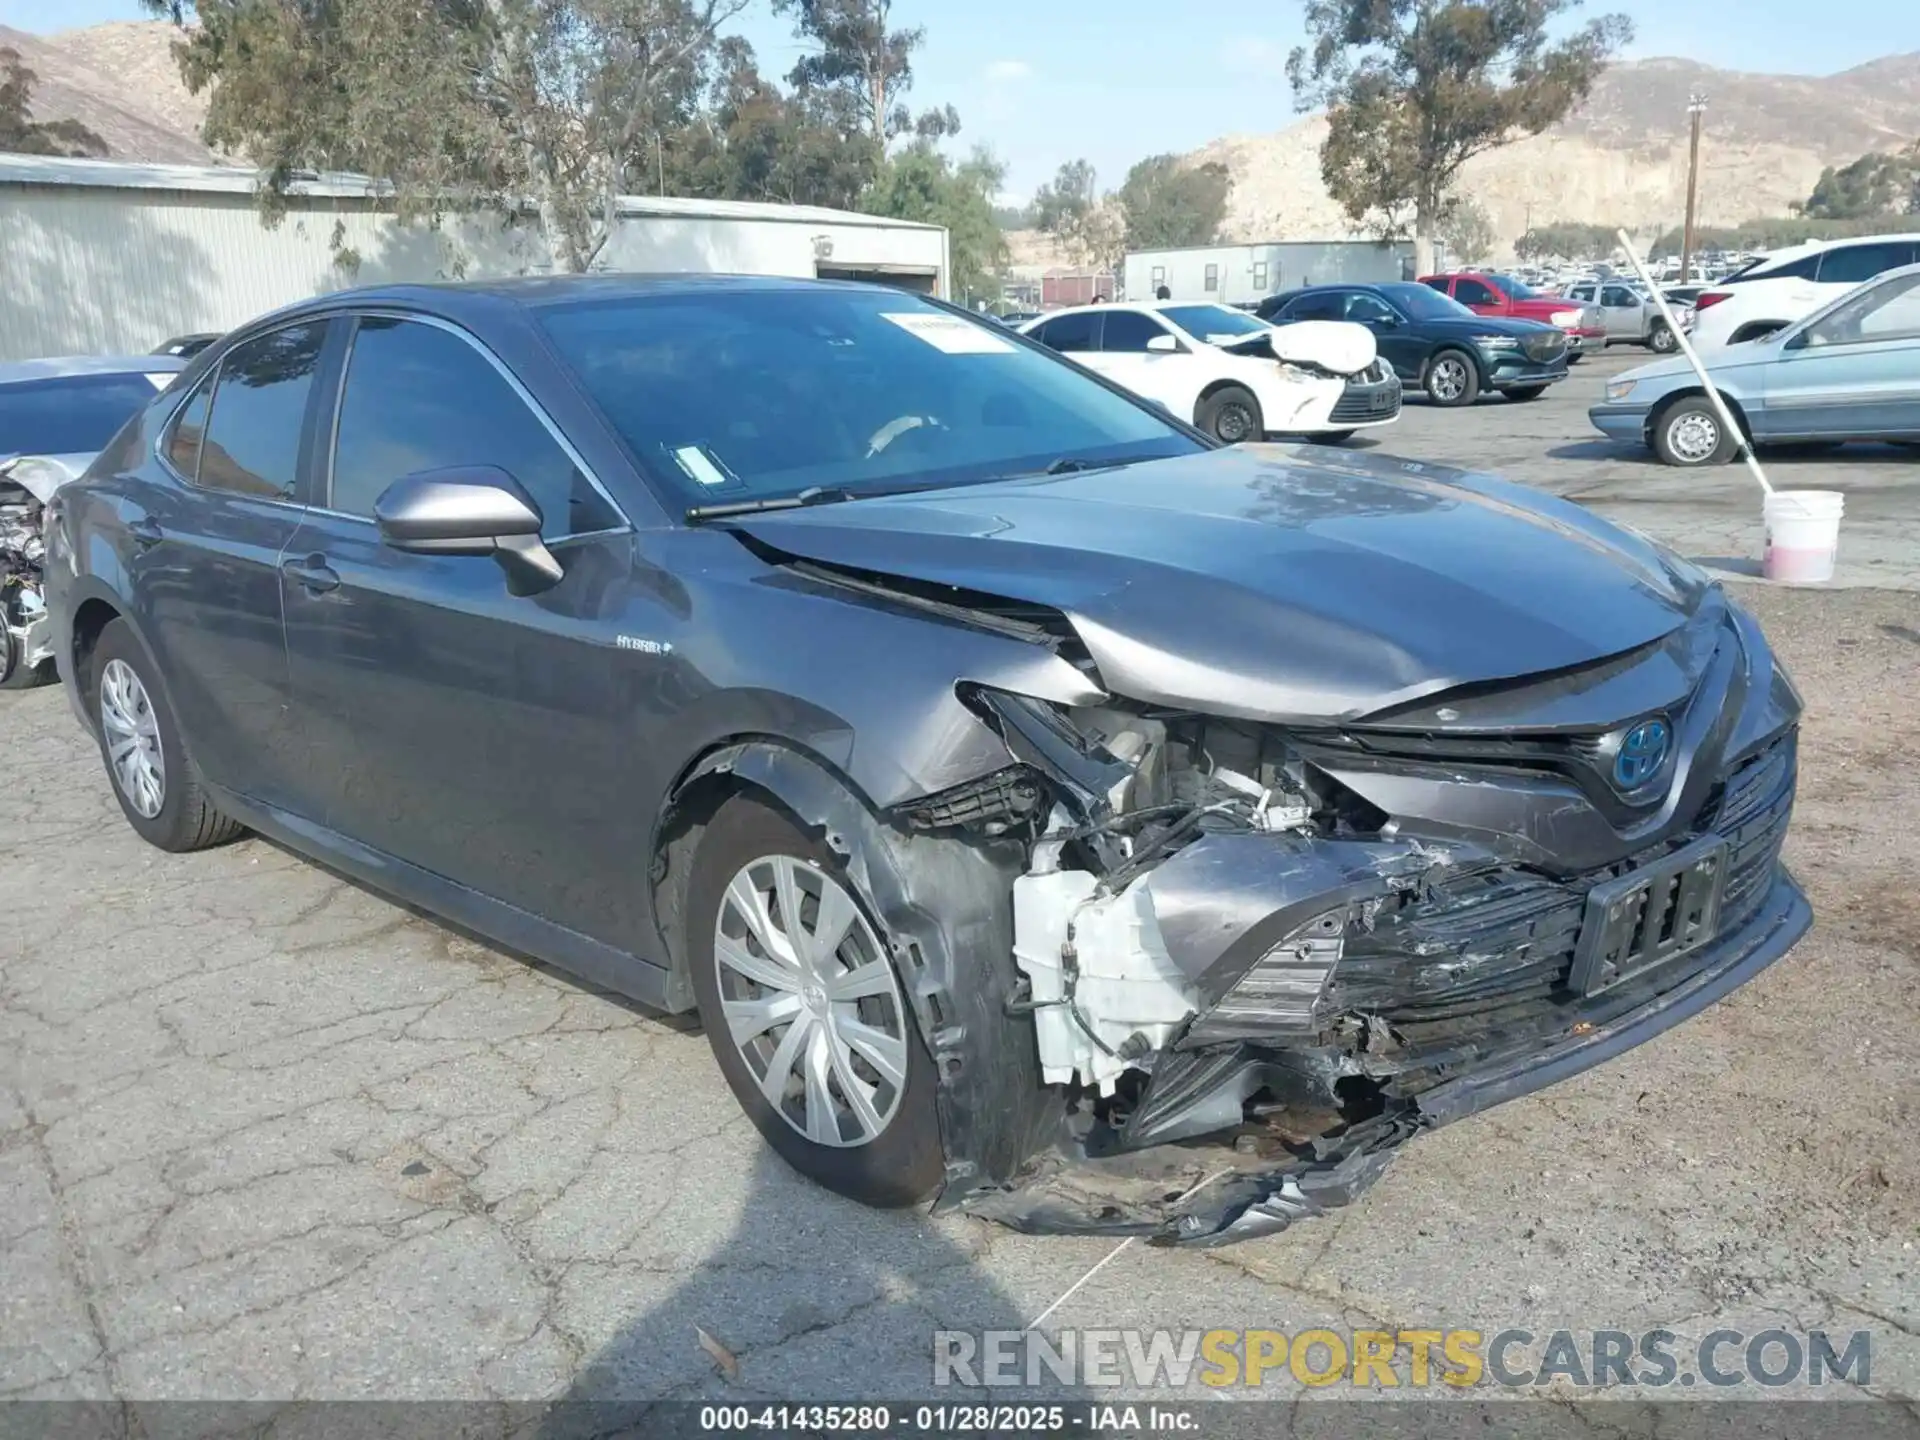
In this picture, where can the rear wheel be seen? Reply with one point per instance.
(1690, 433)
(1231, 415)
(1452, 379)
(805, 1014)
(1526, 392)
(154, 776)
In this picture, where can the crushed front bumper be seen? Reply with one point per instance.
(1193, 1197)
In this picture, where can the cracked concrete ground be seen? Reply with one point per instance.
(265, 1136)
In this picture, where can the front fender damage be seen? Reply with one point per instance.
(942, 903)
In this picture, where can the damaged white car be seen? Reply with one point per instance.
(54, 416)
(1233, 376)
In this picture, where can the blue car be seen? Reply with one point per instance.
(1848, 372)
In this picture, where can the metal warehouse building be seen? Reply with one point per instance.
(1238, 274)
(98, 257)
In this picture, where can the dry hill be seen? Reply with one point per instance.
(1622, 158)
(120, 81)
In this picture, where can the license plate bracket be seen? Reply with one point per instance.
(1650, 916)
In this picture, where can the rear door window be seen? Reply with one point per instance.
(1069, 333)
(1852, 264)
(259, 413)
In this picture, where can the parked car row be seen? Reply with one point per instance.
(1850, 371)
(998, 766)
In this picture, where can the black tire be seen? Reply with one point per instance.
(1452, 378)
(1661, 339)
(1574, 357)
(186, 819)
(1331, 437)
(1526, 392)
(1689, 433)
(906, 1162)
(1231, 415)
(14, 675)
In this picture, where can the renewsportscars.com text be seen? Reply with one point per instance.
(1394, 1359)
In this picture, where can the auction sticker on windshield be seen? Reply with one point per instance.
(952, 334)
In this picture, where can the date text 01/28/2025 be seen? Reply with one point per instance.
(962, 1419)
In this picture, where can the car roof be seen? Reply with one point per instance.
(1106, 305)
(60, 367)
(1814, 247)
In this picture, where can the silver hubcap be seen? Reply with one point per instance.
(1449, 379)
(1234, 424)
(1663, 340)
(1693, 436)
(810, 1001)
(133, 739)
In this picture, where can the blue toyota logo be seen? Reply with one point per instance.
(1643, 751)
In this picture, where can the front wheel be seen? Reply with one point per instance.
(805, 1014)
(1691, 434)
(1231, 415)
(1453, 379)
(1526, 392)
(1662, 341)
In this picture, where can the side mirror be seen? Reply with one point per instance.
(1385, 322)
(1164, 345)
(471, 510)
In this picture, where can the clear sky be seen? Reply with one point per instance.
(1044, 81)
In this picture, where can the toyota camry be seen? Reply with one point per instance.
(1013, 780)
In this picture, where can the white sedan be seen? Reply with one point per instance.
(1231, 375)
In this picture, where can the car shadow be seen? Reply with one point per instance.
(1744, 565)
(1605, 450)
(805, 1298)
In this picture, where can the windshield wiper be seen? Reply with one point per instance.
(813, 495)
(1073, 464)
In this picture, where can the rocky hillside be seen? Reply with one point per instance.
(119, 80)
(1622, 158)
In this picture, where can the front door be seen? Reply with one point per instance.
(1622, 312)
(1172, 375)
(1391, 333)
(209, 538)
(1853, 374)
(1478, 296)
(482, 736)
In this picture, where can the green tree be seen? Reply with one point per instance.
(1169, 204)
(1416, 88)
(864, 67)
(1468, 231)
(561, 104)
(1876, 184)
(920, 183)
(1566, 240)
(21, 133)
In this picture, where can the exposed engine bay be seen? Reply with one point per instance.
(1316, 942)
(26, 637)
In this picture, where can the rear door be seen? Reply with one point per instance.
(207, 541)
(481, 736)
(1852, 374)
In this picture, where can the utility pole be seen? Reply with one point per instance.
(1696, 107)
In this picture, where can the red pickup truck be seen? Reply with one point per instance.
(1490, 294)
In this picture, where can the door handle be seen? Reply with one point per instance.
(146, 531)
(312, 573)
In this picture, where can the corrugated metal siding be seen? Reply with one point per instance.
(89, 270)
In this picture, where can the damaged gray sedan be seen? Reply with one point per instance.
(1047, 811)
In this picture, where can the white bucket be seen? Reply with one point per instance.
(1803, 534)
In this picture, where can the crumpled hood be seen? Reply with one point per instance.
(1264, 583)
(41, 475)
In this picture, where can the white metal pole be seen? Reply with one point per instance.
(1693, 358)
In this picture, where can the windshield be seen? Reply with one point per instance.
(742, 395)
(1214, 322)
(1423, 302)
(68, 415)
(1515, 289)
